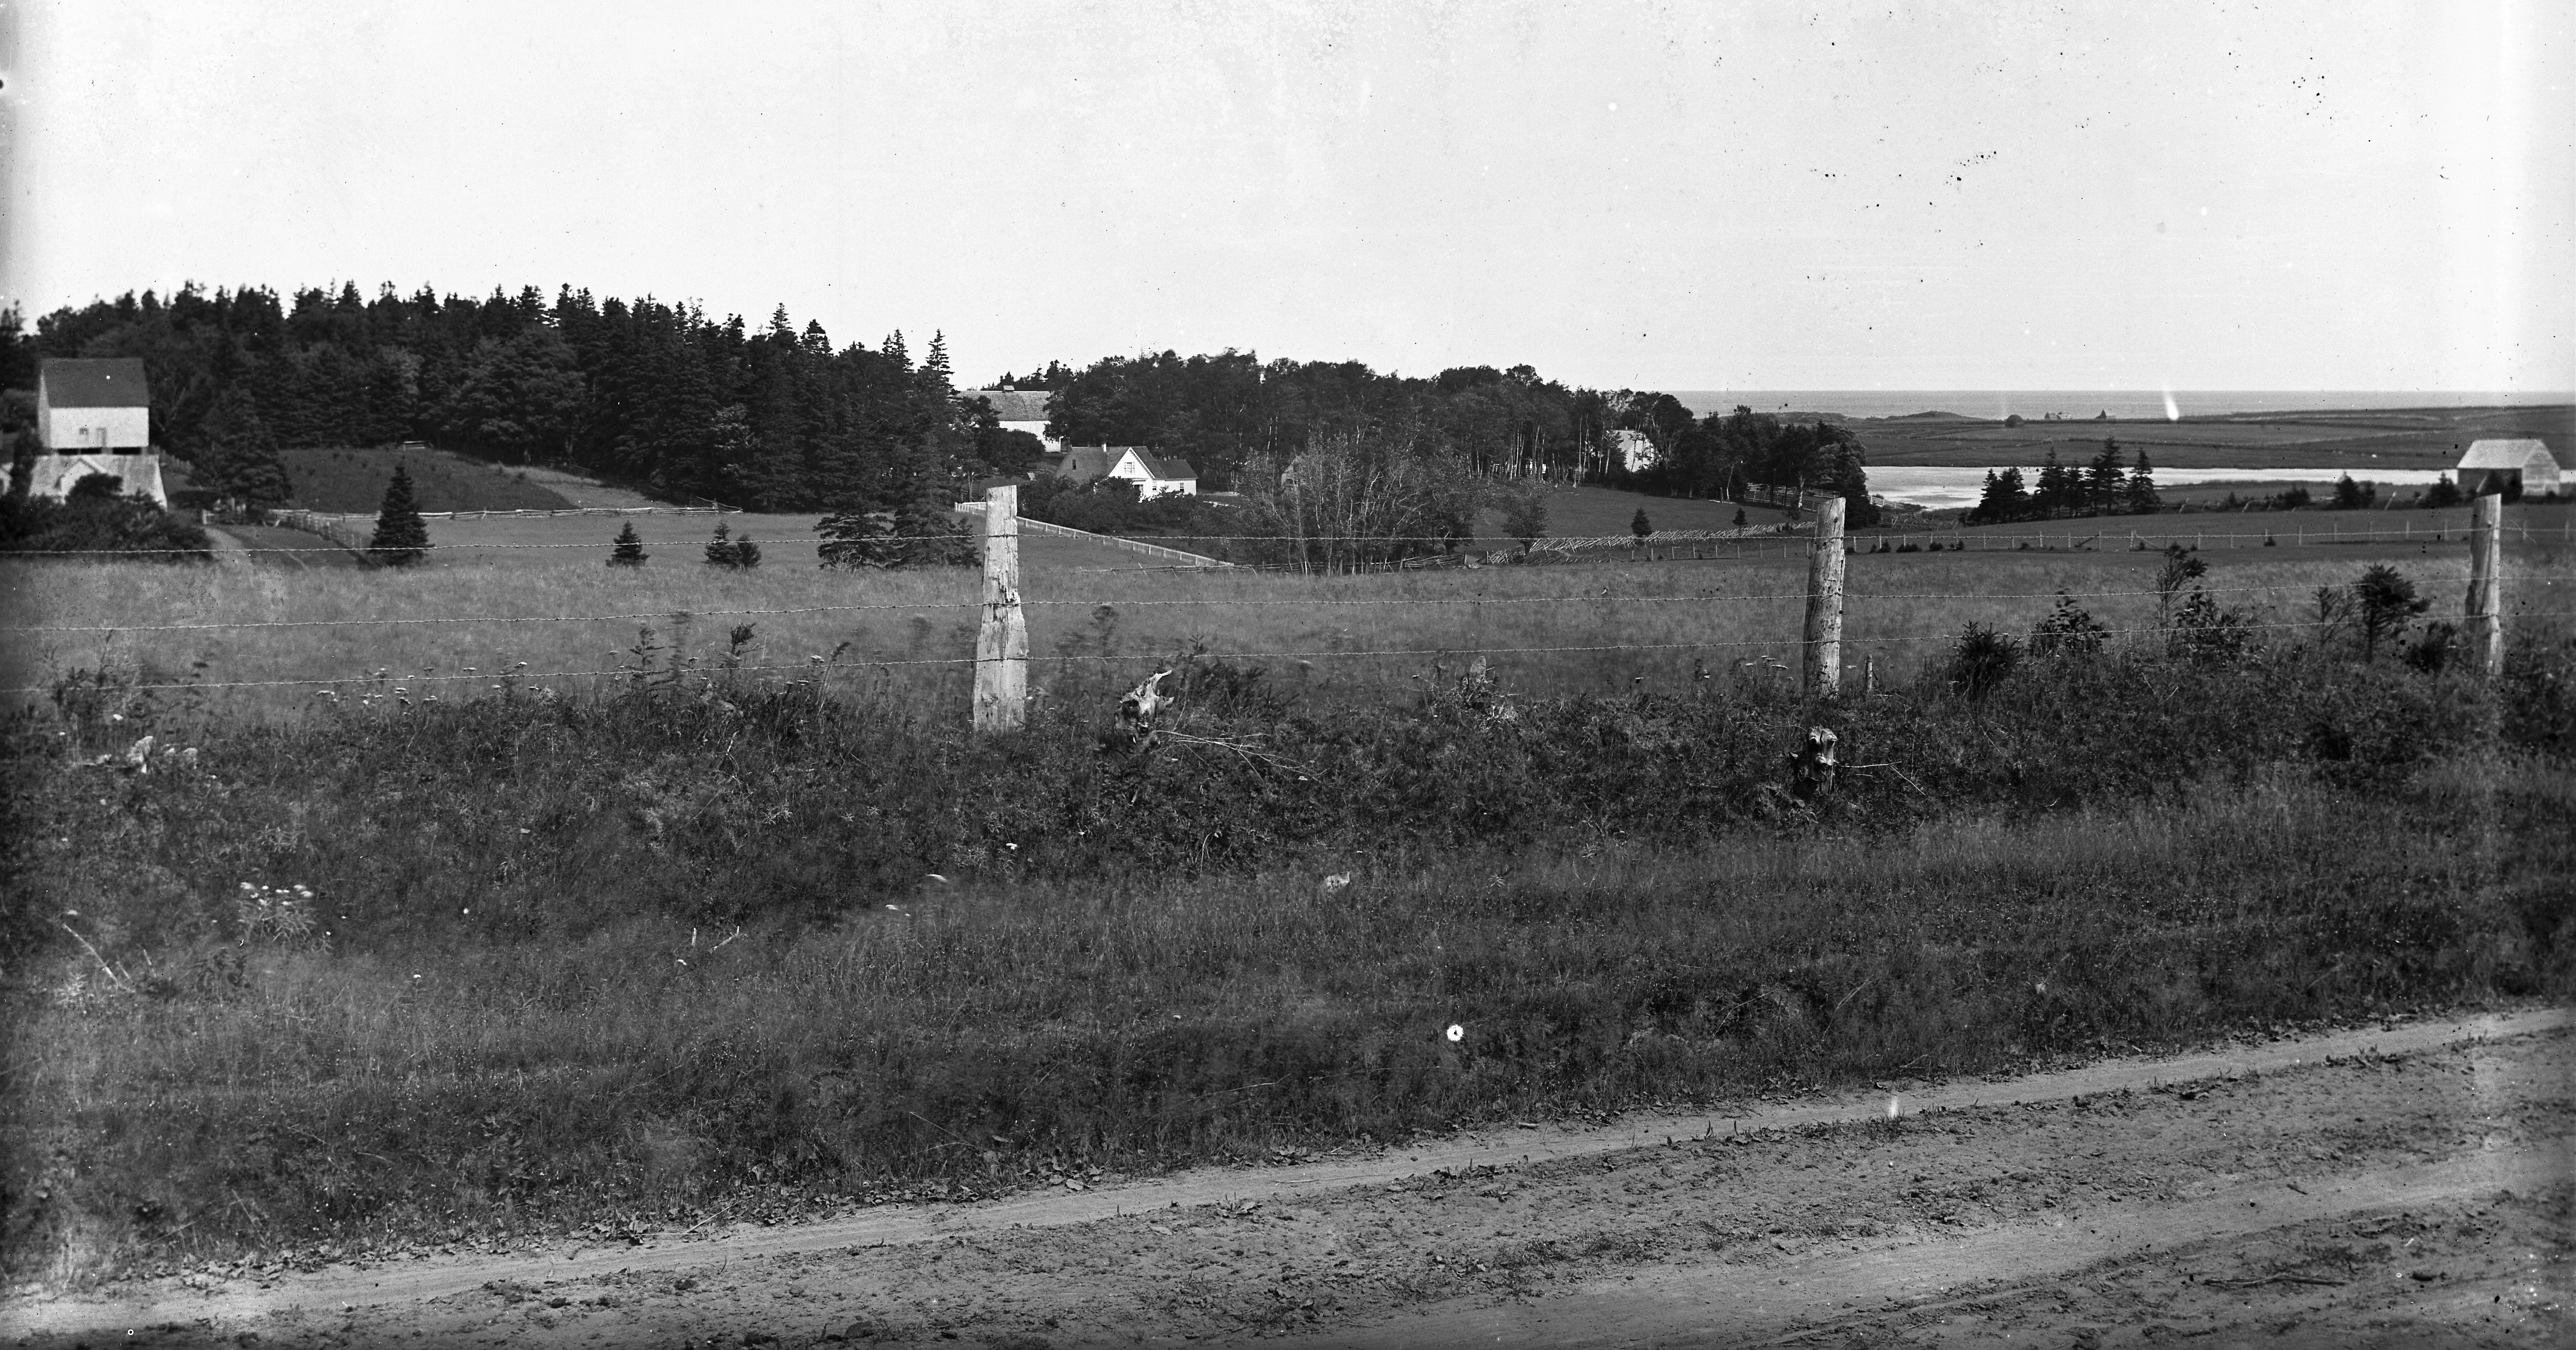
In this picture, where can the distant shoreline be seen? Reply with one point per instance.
(2081, 406)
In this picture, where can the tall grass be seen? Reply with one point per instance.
(1902, 608)
(662, 956)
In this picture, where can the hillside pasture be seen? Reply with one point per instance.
(355, 480)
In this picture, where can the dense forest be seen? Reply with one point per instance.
(780, 418)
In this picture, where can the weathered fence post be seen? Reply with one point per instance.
(2486, 588)
(1002, 641)
(1825, 603)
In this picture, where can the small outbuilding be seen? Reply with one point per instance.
(2522, 468)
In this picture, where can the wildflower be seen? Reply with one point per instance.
(1337, 881)
(1457, 1033)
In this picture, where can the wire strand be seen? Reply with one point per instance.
(670, 615)
(816, 665)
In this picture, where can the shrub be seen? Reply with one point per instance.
(2432, 649)
(2180, 568)
(2207, 634)
(99, 523)
(1982, 660)
(2384, 600)
(2068, 632)
(725, 551)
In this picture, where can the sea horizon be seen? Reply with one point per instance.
(2077, 405)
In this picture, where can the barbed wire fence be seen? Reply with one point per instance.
(1001, 660)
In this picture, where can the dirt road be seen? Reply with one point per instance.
(2408, 1185)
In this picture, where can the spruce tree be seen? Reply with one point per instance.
(726, 551)
(2143, 498)
(1641, 527)
(401, 535)
(630, 547)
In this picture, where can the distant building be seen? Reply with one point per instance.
(2522, 468)
(94, 417)
(1153, 476)
(1633, 450)
(1022, 410)
(89, 407)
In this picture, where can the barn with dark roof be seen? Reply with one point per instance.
(93, 406)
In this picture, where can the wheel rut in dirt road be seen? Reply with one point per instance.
(2110, 1173)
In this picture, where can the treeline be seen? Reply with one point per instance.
(779, 418)
(2106, 485)
(1228, 411)
(651, 392)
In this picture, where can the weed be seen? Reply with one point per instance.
(1982, 660)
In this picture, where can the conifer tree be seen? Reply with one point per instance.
(721, 550)
(401, 535)
(1739, 517)
(1641, 527)
(630, 548)
(2142, 488)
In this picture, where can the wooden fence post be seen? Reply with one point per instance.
(1825, 603)
(2486, 589)
(1002, 640)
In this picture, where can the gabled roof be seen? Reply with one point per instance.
(1082, 463)
(2507, 455)
(111, 382)
(1168, 470)
(1015, 405)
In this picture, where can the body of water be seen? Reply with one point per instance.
(2083, 404)
(1942, 488)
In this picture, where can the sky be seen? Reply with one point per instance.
(1994, 195)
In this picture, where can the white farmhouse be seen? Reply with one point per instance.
(1153, 475)
(94, 416)
(2519, 468)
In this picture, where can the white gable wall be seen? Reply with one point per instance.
(1037, 429)
(1133, 469)
(73, 431)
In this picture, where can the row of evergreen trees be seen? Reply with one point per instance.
(654, 393)
(2106, 485)
(780, 418)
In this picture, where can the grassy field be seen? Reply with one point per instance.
(660, 960)
(471, 613)
(655, 951)
(2360, 441)
(355, 480)
(1580, 512)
